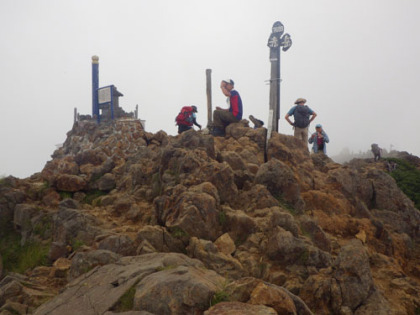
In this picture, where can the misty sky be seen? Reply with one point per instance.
(356, 62)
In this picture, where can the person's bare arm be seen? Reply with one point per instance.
(288, 120)
(313, 117)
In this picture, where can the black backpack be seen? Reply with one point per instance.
(301, 115)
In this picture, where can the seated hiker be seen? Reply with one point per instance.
(377, 151)
(186, 118)
(319, 139)
(257, 123)
(224, 117)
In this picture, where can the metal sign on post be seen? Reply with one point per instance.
(275, 41)
(106, 100)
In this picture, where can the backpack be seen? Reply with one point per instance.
(185, 116)
(301, 115)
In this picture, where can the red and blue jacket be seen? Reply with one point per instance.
(235, 103)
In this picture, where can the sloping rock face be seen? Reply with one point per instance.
(153, 224)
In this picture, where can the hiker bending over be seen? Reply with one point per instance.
(377, 152)
(319, 139)
(302, 115)
(224, 117)
(186, 118)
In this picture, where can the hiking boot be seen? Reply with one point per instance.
(257, 123)
(218, 132)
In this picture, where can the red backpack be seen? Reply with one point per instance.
(185, 116)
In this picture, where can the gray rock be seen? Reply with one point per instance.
(106, 182)
(57, 250)
(83, 262)
(71, 224)
(285, 248)
(352, 272)
(191, 213)
(120, 244)
(8, 289)
(99, 290)
(22, 219)
(280, 181)
(69, 203)
(208, 253)
(181, 290)
(239, 308)
(160, 239)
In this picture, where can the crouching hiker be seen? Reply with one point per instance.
(186, 118)
(223, 117)
(319, 139)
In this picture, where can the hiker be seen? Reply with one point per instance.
(377, 152)
(301, 114)
(186, 118)
(224, 117)
(257, 122)
(319, 139)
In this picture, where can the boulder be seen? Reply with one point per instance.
(57, 250)
(159, 238)
(119, 244)
(83, 262)
(237, 130)
(208, 253)
(222, 177)
(163, 282)
(240, 224)
(22, 219)
(346, 287)
(316, 233)
(257, 197)
(8, 289)
(72, 224)
(191, 213)
(106, 182)
(225, 244)
(70, 183)
(274, 297)
(238, 308)
(55, 167)
(180, 290)
(352, 271)
(286, 249)
(196, 140)
(280, 181)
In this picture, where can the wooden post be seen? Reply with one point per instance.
(75, 115)
(209, 104)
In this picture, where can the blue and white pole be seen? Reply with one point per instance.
(95, 86)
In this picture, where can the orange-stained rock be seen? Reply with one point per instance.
(274, 297)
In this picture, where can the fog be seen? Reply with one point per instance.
(356, 62)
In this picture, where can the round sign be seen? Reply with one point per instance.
(278, 28)
(273, 41)
(286, 42)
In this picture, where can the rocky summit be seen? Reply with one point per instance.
(138, 223)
